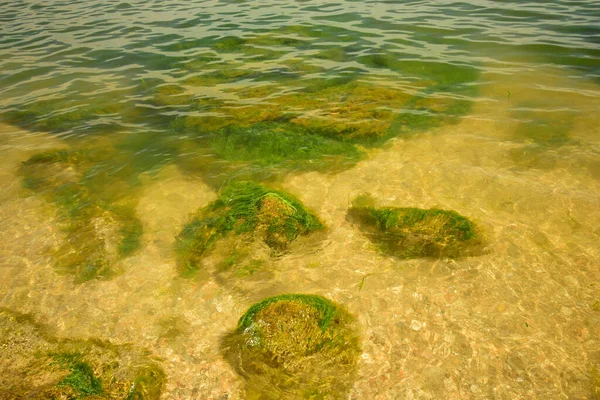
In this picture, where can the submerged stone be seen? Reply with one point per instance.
(99, 228)
(295, 346)
(414, 232)
(35, 364)
(249, 211)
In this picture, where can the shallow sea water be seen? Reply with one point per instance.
(508, 135)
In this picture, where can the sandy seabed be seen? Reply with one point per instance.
(521, 321)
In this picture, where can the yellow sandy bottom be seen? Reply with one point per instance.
(521, 321)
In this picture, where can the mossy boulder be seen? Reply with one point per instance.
(409, 232)
(249, 211)
(35, 364)
(100, 229)
(295, 346)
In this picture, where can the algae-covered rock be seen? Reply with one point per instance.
(414, 232)
(100, 229)
(295, 346)
(249, 211)
(353, 111)
(35, 364)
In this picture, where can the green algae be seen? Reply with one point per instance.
(81, 378)
(542, 128)
(349, 111)
(414, 232)
(247, 210)
(294, 346)
(99, 227)
(433, 107)
(284, 145)
(36, 364)
(59, 115)
(171, 95)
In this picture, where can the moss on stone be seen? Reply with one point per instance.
(296, 346)
(414, 232)
(36, 364)
(249, 210)
(81, 378)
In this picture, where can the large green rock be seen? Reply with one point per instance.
(295, 346)
(247, 210)
(413, 232)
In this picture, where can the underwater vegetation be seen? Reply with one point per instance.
(250, 212)
(37, 365)
(100, 227)
(294, 346)
(414, 232)
(64, 114)
(541, 128)
(284, 145)
(47, 116)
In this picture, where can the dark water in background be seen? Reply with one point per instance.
(487, 107)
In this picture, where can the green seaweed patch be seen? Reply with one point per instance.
(59, 115)
(98, 232)
(81, 378)
(284, 145)
(295, 346)
(96, 238)
(433, 107)
(250, 211)
(171, 95)
(51, 169)
(229, 44)
(414, 232)
(543, 128)
(40, 365)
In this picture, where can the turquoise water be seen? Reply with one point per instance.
(119, 120)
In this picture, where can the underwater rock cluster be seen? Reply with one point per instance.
(296, 347)
(37, 365)
(232, 120)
